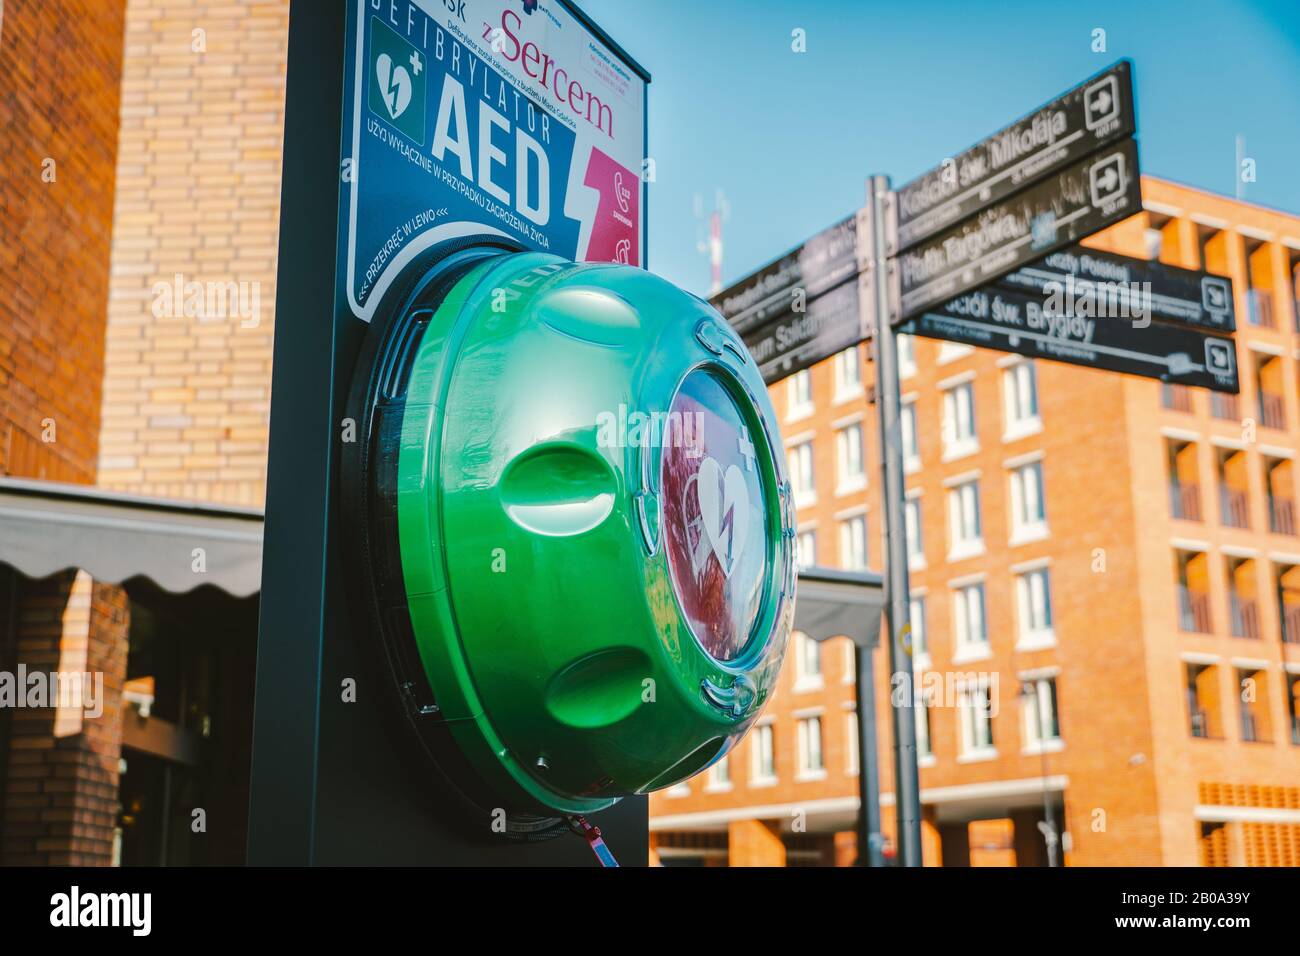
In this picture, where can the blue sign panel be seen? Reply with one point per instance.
(485, 118)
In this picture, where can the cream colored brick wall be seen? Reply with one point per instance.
(187, 398)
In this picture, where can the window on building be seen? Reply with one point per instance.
(810, 747)
(1034, 598)
(720, 774)
(906, 345)
(968, 607)
(848, 446)
(848, 373)
(1212, 244)
(807, 548)
(799, 395)
(1243, 604)
(1287, 585)
(916, 618)
(922, 720)
(800, 458)
(1182, 460)
(851, 743)
(1253, 705)
(1293, 703)
(1293, 278)
(1038, 709)
(1234, 487)
(1224, 407)
(965, 532)
(912, 530)
(1269, 373)
(952, 351)
(1028, 512)
(907, 424)
(1020, 397)
(853, 543)
(975, 707)
(1153, 239)
(1204, 711)
(808, 659)
(1176, 398)
(762, 756)
(1259, 283)
(1279, 485)
(1193, 591)
(959, 421)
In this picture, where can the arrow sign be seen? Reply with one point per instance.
(793, 280)
(1133, 287)
(791, 342)
(1053, 213)
(1013, 320)
(1093, 114)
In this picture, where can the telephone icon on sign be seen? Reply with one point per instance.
(622, 252)
(621, 193)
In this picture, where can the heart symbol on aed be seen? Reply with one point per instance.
(724, 511)
(394, 85)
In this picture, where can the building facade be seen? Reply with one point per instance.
(144, 142)
(1105, 596)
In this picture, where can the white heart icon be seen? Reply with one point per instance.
(394, 85)
(724, 510)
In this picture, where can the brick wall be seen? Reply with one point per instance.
(60, 801)
(60, 64)
(186, 396)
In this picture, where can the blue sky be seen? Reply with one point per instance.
(893, 87)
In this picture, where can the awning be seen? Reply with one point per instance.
(832, 603)
(48, 526)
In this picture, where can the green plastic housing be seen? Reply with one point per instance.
(540, 596)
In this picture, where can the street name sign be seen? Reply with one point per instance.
(1093, 114)
(1050, 326)
(793, 280)
(1185, 296)
(1055, 212)
(793, 341)
(800, 308)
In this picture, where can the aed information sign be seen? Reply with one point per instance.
(496, 117)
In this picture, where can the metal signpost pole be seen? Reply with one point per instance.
(907, 791)
(869, 839)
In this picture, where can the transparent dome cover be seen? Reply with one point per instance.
(714, 514)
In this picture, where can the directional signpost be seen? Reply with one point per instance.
(983, 249)
(1104, 311)
(1065, 206)
(1075, 124)
(1186, 296)
(1015, 321)
(800, 308)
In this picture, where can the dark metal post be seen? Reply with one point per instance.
(869, 837)
(291, 632)
(880, 272)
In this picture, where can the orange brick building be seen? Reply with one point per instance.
(1105, 581)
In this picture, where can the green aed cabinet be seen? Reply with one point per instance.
(528, 549)
(575, 531)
